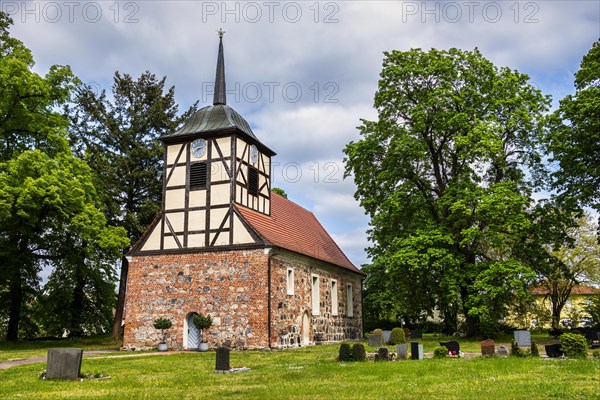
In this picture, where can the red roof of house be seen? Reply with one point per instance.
(294, 228)
(577, 289)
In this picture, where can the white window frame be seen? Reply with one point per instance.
(290, 281)
(349, 300)
(334, 298)
(315, 294)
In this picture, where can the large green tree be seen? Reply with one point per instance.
(48, 203)
(446, 175)
(575, 140)
(117, 137)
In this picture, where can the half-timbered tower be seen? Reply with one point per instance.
(225, 245)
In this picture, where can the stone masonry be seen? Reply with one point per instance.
(232, 286)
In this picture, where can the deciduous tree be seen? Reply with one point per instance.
(446, 174)
(117, 137)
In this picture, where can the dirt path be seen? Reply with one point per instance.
(43, 359)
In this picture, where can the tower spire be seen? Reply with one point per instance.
(219, 97)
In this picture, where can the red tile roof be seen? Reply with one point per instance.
(577, 289)
(294, 228)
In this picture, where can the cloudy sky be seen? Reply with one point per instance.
(302, 73)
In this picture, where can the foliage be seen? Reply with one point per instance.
(345, 353)
(117, 136)
(280, 192)
(162, 324)
(378, 332)
(575, 137)
(440, 352)
(573, 345)
(358, 352)
(596, 354)
(573, 263)
(593, 309)
(535, 352)
(446, 175)
(516, 351)
(202, 322)
(397, 336)
(49, 214)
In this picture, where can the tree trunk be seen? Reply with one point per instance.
(16, 302)
(77, 305)
(116, 331)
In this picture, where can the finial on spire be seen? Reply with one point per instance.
(219, 97)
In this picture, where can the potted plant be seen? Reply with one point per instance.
(202, 322)
(162, 324)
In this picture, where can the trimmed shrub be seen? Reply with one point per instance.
(378, 332)
(535, 352)
(397, 336)
(345, 352)
(358, 352)
(440, 352)
(573, 345)
(515, 351)
(596, 354)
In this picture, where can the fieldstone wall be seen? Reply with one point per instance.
(288, 311)
(231, 286)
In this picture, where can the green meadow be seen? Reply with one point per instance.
(306, 373)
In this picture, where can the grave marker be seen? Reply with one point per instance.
(523, 338)
(416, 351)
(488, 347)
(64, 363)
(375, 340)
(222, 363)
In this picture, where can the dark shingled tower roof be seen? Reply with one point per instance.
(218, 118)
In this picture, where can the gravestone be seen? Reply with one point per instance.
(387, 335)
(502, 351)
(401, 350)
(376, 340)
(222, 363)
(523, 338)
(416, 334)
(488, 347)
(553, 350)
(64, 363)
(453, 346)
(416, 351)
(382, 354)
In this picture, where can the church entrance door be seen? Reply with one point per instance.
(193, 335)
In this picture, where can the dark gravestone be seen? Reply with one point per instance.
(64, 363)
(382, 354)
(416, 351)
(553, 350)
(452, 346)
(416, 334)
(376, 340)
(222, 363)
(488, 347)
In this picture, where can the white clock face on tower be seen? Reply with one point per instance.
(198, 148)
(253, 154)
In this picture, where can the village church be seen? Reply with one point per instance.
(225, 245)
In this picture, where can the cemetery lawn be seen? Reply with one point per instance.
(38, 348)
(310, 373)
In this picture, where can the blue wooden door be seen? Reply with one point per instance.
(193, 333)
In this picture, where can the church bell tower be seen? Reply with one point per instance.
(211, 163)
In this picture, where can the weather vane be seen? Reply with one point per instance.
(220, 32)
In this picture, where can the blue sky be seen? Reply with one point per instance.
(303, 73)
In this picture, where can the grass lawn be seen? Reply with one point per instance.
(312, 373)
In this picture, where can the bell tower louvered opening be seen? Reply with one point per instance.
(198, 175)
